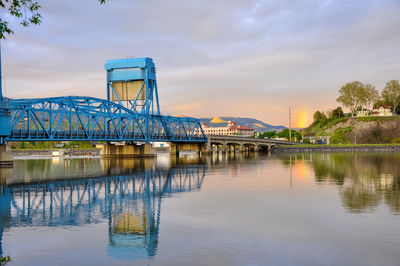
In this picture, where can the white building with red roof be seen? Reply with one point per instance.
(229, 130)
(382, 110)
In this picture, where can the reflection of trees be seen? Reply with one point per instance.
(359, 198)
(392, 197)
(365, 179)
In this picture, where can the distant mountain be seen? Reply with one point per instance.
(258, 125)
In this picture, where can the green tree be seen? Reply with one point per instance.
(285, 134)
(319, 118)
(382, 102)
(372, 95)
(22, 145)
(27, 12)
(391, 94)
(354, 94)
(337, 113)
(269, 134)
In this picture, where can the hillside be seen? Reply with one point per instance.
(361, 130)
(258, 125)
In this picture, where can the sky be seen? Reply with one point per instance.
(214, 58)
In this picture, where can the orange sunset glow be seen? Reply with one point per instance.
(300, 119)
(301, 170)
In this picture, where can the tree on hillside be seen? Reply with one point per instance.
(382, 102)
(391, 94)
(319, 118)
(372, 95)
(269, 134)
(353, 94)
(294, 134)
(337, 113)
(27, 11)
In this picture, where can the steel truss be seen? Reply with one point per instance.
(91, 119)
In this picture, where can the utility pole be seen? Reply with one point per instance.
(290, 125)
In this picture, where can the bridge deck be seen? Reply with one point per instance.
(233, 139)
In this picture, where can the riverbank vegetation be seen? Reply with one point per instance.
(349, 128)
(357, 95)
(284, 134)
(344, 145)
(49, 145)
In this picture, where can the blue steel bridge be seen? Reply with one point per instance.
(130, 113)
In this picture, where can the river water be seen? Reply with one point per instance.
(280, 209)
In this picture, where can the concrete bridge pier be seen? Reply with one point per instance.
(223, 148)
(176, 148)
(224, 144)
(216, 147)
(6, 158)
(231, 148)
(270, 148)
(128, 150)
(206, 148)
(241, 148)
(235, 148)
(245, 148)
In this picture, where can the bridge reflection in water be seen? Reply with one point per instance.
(128, 200)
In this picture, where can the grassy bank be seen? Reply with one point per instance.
(366, 130)
(51, 145)
(340, 145)
(55, 149)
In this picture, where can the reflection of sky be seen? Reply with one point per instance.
(247, 212)
(214, 58)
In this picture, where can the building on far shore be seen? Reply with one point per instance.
(363, 112)
(380, 110)
(318, 139)
(231, 129)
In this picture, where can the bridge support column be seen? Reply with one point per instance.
(270, 149)
(173, 149)
(223, 148)
(228, 149)
(241, 148)
(176, 148)
(206, 148)
(6, 158)
(256, 148)
(130, 150)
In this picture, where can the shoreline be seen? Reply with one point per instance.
(344, 148)
(49, 153)
(91, 153)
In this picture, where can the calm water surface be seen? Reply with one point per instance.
(284, 209)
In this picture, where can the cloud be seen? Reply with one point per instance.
(193, 106)
(213, 58)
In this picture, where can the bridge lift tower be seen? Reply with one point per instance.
(132, 83)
